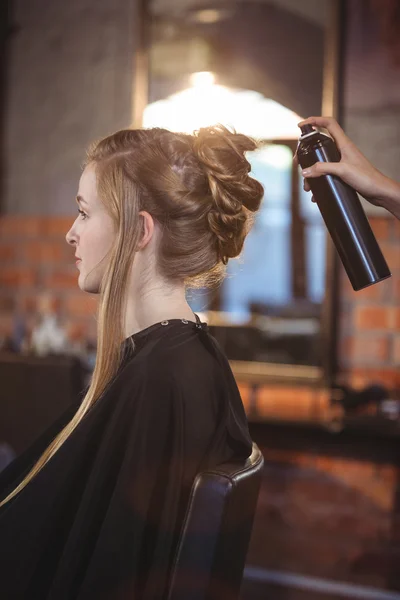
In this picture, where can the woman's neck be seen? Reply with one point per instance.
(157, 303)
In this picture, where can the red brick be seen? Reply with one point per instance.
(44, 251)
(77, 330)
(8, 252)
(396, 319)
(28, 303)
(31, 303)
(373, 292)
(17, 276)
(367, 317)
(14, 225)
(62, 279)
(347, 291)
(391, 252)
(346, 347)
(396, 286)
(379, 291)
(382, 291)
(386, 289)
(81, 304)
(381, 227)
(57, 226)
(7, 304)
(396, 350)
(345, 319)
(6, 324)
(370, 349)
(396, 229)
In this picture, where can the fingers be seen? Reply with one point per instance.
(320, 168)
(308, 189)
(332, 126)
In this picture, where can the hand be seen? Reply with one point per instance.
(355, 169)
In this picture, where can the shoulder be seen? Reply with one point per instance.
(175, 354)
(179, 371)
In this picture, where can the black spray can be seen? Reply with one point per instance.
(342, 212)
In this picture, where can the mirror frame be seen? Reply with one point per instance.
(252, 371)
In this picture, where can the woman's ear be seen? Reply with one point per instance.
(147, 224)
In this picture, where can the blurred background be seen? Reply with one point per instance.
(318, 365)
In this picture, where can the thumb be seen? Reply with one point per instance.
(322, 168)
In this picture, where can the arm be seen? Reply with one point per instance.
(355, 169)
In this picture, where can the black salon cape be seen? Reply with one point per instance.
(102, 518)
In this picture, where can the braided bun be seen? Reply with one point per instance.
(234, 193)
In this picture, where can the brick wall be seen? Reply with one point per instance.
(369, 349)
(35, 258)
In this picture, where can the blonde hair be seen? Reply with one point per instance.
(198, 188)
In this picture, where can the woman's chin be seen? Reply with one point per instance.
(88, 284)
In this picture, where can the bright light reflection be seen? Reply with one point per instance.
(202, 79)
(207, 104)
(278, 157)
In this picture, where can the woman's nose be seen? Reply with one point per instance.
(71, 237)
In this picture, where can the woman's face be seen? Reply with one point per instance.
(92, 233)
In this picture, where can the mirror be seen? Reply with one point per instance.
(259, 66)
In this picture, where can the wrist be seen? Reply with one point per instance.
(390, 199)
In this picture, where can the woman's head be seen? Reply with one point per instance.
(192, 195)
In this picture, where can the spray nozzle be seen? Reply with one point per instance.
(305, 129)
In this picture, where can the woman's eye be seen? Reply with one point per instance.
(82, 214)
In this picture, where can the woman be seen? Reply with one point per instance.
(355, 169)
(94, 508)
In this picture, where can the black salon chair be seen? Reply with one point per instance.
(216, 532)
